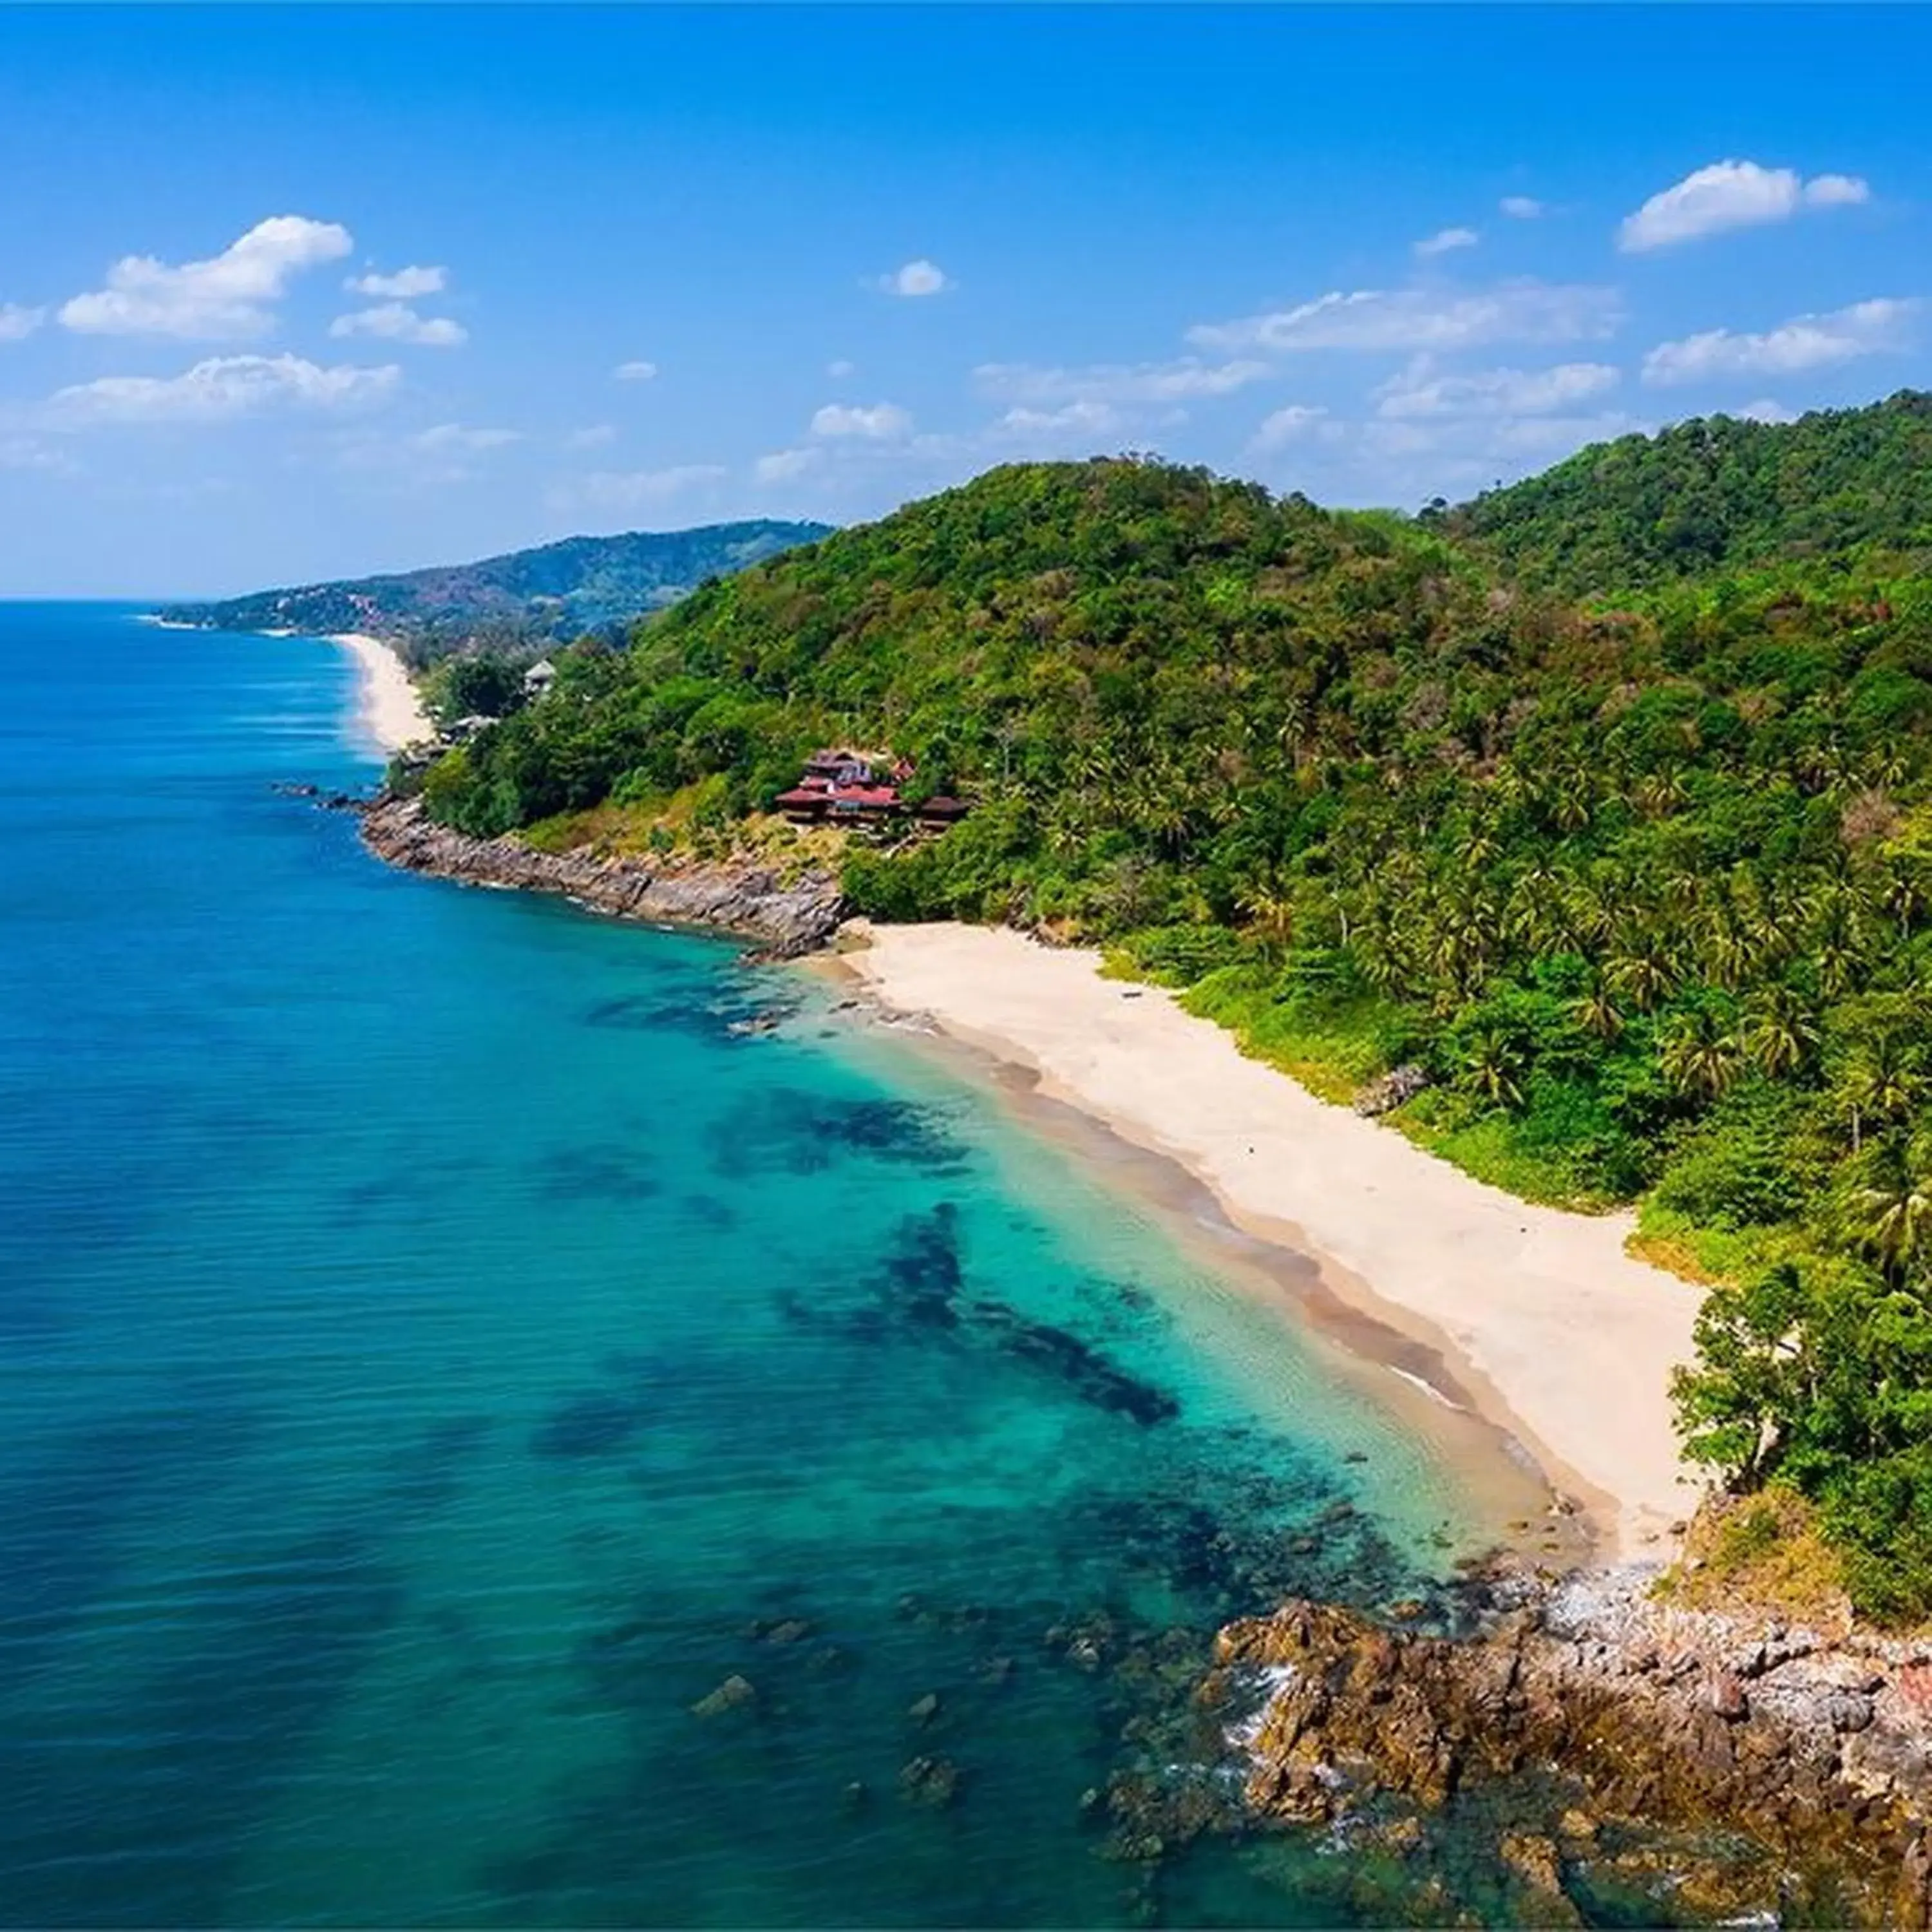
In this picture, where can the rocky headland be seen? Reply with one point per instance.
(741, 897)
(1720, 1766)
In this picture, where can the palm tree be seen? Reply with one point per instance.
(1597, 1012)
(1491, 1062)
(1642, 970)
(1698, 1052)
(1882, 1081)
(1893, 1219)
(1779, 1032)
(1269, 903)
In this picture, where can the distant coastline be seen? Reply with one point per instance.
(390, 712)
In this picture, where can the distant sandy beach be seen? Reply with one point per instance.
(1556, 1333)
(391, 713)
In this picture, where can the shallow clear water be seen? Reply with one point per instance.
(435, 1342)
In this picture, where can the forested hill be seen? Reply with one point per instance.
(1632, 904)
(561, 590)
(1716, 493)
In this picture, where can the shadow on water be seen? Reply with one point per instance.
(598, 1171)
(143, 1823)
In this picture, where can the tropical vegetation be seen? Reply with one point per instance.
(1619, 844)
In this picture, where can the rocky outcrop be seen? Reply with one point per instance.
(738, 896)
(1814, 1750)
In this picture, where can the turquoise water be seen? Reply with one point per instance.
(440, 1350)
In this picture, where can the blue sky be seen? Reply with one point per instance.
(289, 293)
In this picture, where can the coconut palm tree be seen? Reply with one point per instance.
(1881, 1082)
(1892, 1220)
(1492, 1062)
(1779, 1031)
(1699, 1053)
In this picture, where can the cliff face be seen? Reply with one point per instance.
(735, 896)
(1812, 1756)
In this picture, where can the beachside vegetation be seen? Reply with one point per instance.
(1602, 803)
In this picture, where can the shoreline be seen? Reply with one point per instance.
(1555, 1336)
(389, 712)
(1505, 1493)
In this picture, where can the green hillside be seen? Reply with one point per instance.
(1643, 897)
(558, 591)
(1715, 493)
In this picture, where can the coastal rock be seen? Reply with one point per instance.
(739, 896)
(1388, 1091)
(735, 1693)
(1639, 1709)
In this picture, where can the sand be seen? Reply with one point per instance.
(1556, 1333)
(391, 713)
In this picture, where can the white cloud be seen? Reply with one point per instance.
(1418, 318)
(1806, 342)
(405, 285)
(635, 372)
(1764, 410)
(220, 388)
(1115, 381)
(227, 297)
(452, 436)
(1445, 239)
(883, 422)
(16, 322)
(1731, 194)
(23, 452)
(1520, 207)
(593, 435)
(1836, 191)
(1295, 423)
(1074, 423)
(921, 277)
(622, 492)
(1421, 390)
(841, 369)
(396, 321)
(787, 465)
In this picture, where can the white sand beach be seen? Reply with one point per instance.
(1554, 1331)
(391, 713)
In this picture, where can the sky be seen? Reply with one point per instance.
(292, 293)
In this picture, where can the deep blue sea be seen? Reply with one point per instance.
(442, 1346)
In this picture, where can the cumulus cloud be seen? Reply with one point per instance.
(1731, 194)
(228, 297)
(921, 277)
(635, 372)
(1420, 319)
(1295, 423)
(405, 285)
(396, 321)
(16, 322)
(220, 388)
(1806, 342)
(1444, 240)
(1520, 207)
(787, 465)
(622, 492)
(1176, 381)
(883, 422)
(1083, 422)
(1422, 390)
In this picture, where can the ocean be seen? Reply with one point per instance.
(448, 1337)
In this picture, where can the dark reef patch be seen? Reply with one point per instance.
(790, 1130)
(600, 1171)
